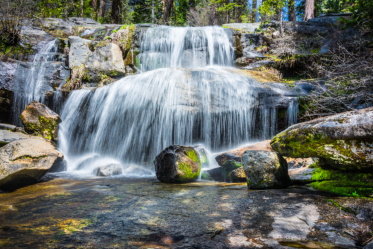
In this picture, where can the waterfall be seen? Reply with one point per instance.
(187, 93)
(185, 47)
(31, 83)
(293, 111)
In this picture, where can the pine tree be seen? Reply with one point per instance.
(309, 10)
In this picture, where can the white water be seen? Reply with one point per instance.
(186, 94)
(33, 86)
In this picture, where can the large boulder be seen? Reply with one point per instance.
(177, 164)
(39, 119)
(24, 159)
(265, 169)
(343, 141)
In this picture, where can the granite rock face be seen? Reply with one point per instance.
(343, 141)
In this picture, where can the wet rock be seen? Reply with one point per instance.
(343, 141)
(265, 169)
(39, 119)
(237, 175)
(178, 164)
(109, 170)
(25, 159)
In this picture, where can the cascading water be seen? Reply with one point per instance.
(184, 96)
(31, 84)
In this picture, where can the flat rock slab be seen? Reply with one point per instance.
(144, 213)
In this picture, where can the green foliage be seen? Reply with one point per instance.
(271, 7)
(362, 14)
(63, 8)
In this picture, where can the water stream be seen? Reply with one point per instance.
(187, 93)
(32, 84)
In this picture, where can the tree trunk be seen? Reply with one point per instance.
(336, 6)
(152, 11)
(82, 8)
(192, 4)
(97, 9)
(115, 11)
(309, 10)
(167, 10)
(239, 11)
(281, 29)
(254, 10)
(102, 11)
(291, 7)
(214, 15)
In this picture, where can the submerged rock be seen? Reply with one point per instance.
(109, 170)
(178, 164)
(39, 119)
(265, 169)
(343, 141)
(25, 159)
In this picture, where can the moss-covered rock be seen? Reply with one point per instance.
(265, 169)
(40, 120)
(343, 141)
(177, 164)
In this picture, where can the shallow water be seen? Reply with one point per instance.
(119, 212)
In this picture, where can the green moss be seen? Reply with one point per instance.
(322, 175)
(316, 51)
(3, 143)
(345, 188)
(188, 175)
